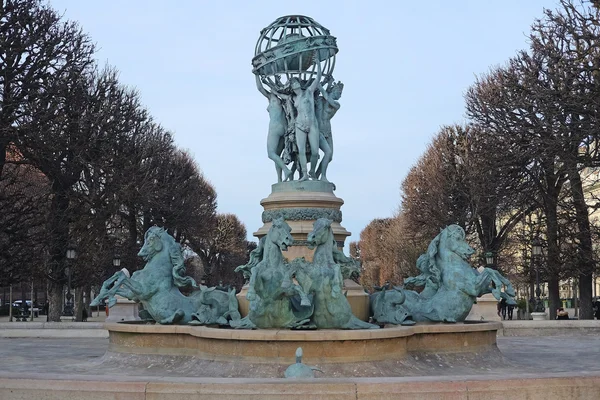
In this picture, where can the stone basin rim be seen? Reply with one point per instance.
(390, 331)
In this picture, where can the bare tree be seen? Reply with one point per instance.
(463, 178)
(223, 250)
(24, 197)
(541, 102)
(388, 252)
(34, 46)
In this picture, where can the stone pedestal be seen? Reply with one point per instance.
(358, 299)
(486, 309)
(124, 310)
(539, 316)
(243, 303)
(301, 204)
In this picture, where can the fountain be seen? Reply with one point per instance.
(305, 299)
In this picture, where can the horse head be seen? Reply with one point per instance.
(153, 243)
(453, 239)
(320, 234)
(280, 234)
(450, 241)
(158, 240)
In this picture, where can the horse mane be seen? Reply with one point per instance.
(350, 267)
(176, 256)
(322, 223)
(179, 270)
(430, 271)
(256, 256)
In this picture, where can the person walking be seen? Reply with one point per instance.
(503, 307)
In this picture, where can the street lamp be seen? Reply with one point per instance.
(536, 252)
(68, 309)
(489, 259)
(71, 253)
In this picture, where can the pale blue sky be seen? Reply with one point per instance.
(405, 66)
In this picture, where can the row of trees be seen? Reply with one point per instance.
(82, 163)
(524, 165)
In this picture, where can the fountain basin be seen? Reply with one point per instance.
(320, 346)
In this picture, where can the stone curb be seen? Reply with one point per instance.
(53, 330)
(52, 325)
(550, 328)
(533, 387)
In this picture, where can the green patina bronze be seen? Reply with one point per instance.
(157, 285)
(300, 370)
(302, 214)
(317, 301)
(293, 63)
(450, 285)
(324, 279)
(304, 186)
(271, 289)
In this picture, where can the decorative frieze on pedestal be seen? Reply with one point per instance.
(301, 204)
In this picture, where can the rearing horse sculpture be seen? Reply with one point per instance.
(450, 285)
(324, 279)
(271, 289)
(157, 285)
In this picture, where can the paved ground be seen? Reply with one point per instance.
(516, 355)
(42, 318)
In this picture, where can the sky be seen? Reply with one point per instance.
(405, 65)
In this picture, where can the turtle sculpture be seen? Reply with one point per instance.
(300, 370)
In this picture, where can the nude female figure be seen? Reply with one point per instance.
(277, 129)
(327, 106)
(306, 125)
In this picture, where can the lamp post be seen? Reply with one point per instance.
(68, 309)
(117, 261)
(489, 259)
(536, 252)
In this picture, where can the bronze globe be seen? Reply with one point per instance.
(289, 47)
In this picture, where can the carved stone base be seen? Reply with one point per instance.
(301, 204)
(124, 310)
(539, 316)
(486, 309)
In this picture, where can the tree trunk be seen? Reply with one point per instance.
(58, 228)
(32, 302)
(552, 259)
(88, 299)
(585, 257)
(10, 302)
(79, 304)
(130, 260)
(23, 296)
(575, 302)
(553, 297)
(55, 297)
(3, 146)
